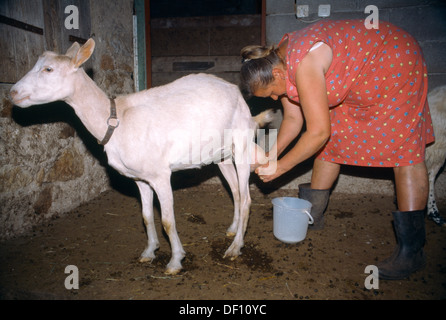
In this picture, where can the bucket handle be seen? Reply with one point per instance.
(309, 216)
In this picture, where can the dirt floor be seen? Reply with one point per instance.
(105, 237)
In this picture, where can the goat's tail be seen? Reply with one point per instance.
(263, 118)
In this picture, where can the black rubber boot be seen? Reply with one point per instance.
(319, 201)
(408, 256)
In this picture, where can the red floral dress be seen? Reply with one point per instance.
(377, 92)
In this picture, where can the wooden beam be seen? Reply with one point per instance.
(76, 39)
(141, 43)
(263, 24)
(52, 25)
(148, 44)
(20, 25)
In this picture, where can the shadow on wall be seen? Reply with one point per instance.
(59, 111)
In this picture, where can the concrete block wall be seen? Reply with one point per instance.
(424, 19)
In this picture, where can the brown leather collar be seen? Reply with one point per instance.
(111, 125)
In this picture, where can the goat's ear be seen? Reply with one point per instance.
(73, 50)
(84, 53)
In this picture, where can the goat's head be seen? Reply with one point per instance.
(51, 77)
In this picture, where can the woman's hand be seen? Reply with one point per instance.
(270, 171)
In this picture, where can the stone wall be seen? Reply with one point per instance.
(49, 163)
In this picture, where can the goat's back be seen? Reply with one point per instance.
(196, 98)
(169, 119)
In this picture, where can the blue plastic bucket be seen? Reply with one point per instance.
(291, 217)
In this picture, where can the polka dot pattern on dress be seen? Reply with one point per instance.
(377, 92)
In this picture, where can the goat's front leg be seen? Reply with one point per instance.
(165, 196)
(146, 193)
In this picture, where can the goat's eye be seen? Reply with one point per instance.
(48, 69)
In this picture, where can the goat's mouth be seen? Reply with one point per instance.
(19, 101)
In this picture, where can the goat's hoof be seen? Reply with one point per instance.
(148, 255)
(172, 272)
(231, 257)
(145, 259)
(232, 254)
(435, 217)
(230, 234)
(232, 231)
(174, 267)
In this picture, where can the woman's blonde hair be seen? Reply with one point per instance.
(257, 67)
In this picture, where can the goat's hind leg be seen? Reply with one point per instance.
(432, 209)
(243, 172)
(146, 193)
(229, 173)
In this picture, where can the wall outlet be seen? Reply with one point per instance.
(324, 10)
(302, 11)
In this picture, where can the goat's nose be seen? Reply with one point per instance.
(13, 93)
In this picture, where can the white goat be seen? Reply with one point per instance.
(436, 152)
(154, 136)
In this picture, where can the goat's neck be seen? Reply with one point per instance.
(90, 103)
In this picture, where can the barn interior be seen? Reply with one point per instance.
(58, 193)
